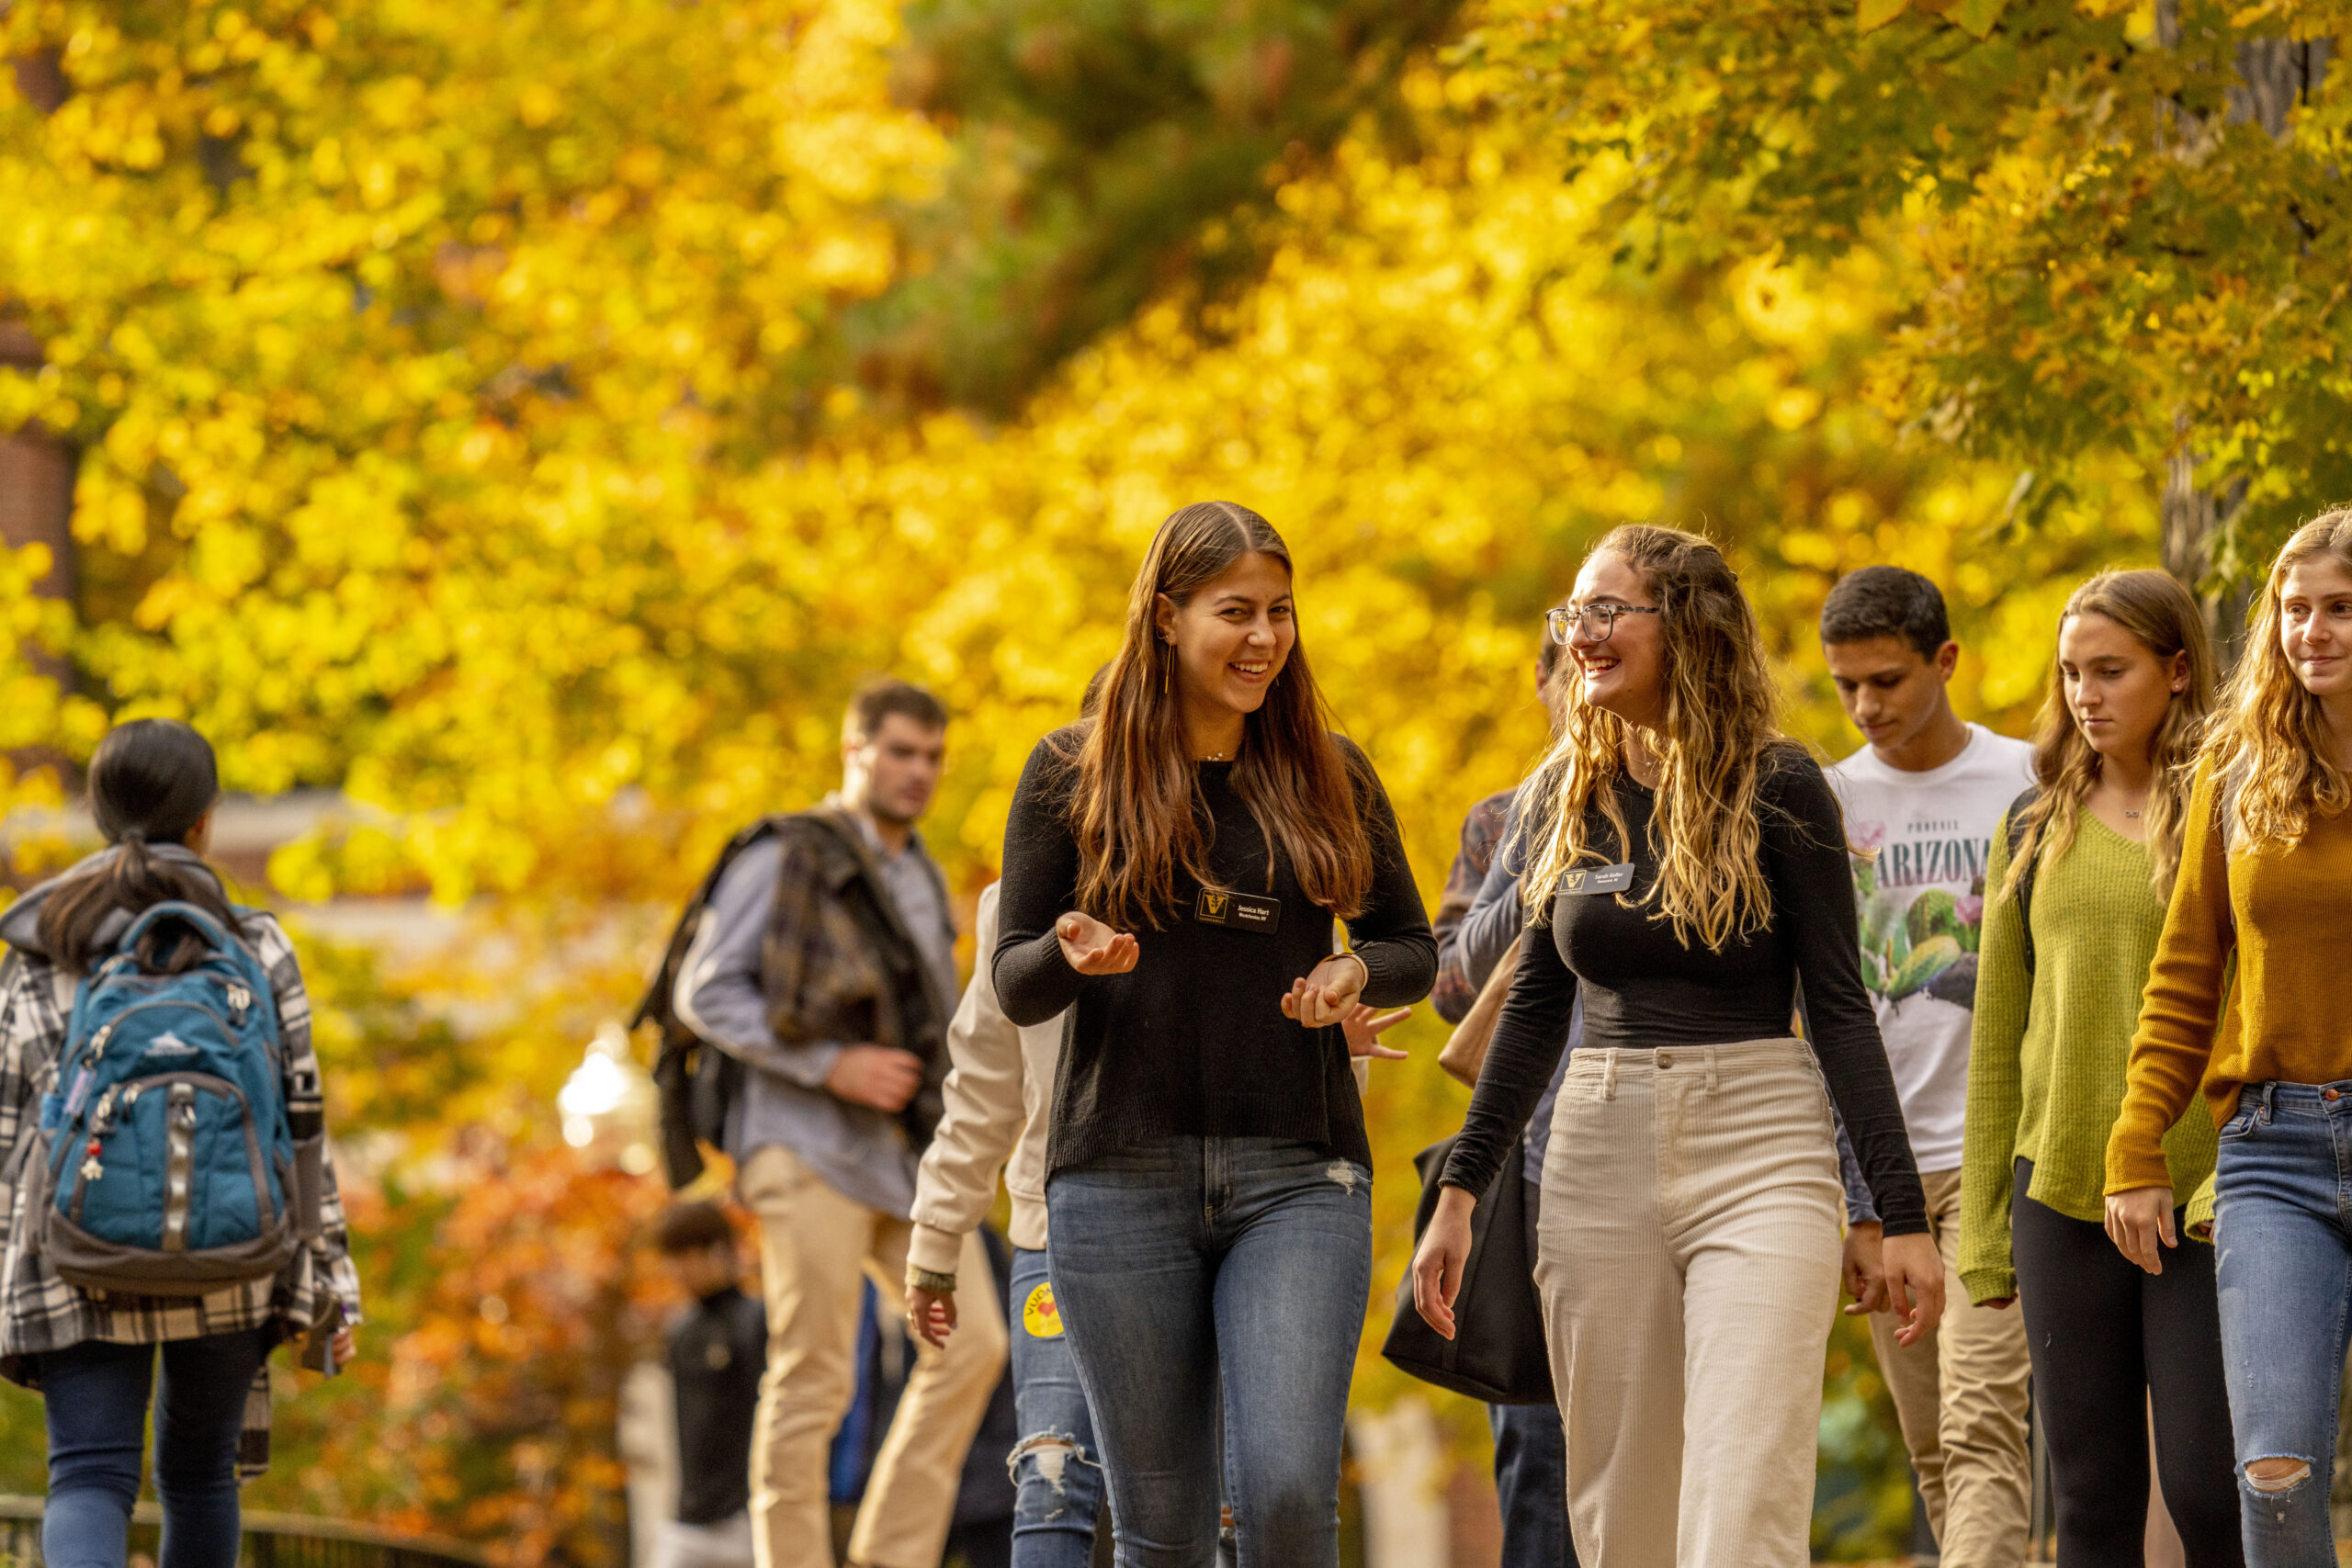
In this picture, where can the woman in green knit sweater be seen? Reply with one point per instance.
(2071, 924)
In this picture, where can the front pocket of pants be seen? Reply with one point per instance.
(2240, 1126)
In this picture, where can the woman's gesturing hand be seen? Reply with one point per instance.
(1364, 1027)
(2137, 1221)
(1438, 1262)
(1092, 948)
(1915, 1285)
(1328, 992)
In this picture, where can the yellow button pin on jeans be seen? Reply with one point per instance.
(1039, 1315)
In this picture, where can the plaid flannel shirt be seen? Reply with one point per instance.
(1482, 833)
(40, 1312)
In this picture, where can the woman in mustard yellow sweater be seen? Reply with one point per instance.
(2071, 921)
(2265, 878)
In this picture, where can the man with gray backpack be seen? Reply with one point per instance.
(803, 1005)
(162, 1135)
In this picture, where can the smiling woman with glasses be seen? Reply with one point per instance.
(1688, 1236)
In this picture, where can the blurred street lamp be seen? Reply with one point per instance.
(608, 1103)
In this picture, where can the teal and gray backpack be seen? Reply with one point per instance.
(175, 1159)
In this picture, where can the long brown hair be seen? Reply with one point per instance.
(1722, 711)
(1136, 809)
(2270, 741)
(2162, 618)
(151, 780)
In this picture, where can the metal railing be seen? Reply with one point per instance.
(271, 1540)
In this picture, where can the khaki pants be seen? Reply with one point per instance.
(1961, 1393)
(814, 1244)
(1687, 1256)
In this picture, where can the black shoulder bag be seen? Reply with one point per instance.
(1498, 1352)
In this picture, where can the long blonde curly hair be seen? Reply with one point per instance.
(2162, 618)
(2270, 743)
(1722, 716)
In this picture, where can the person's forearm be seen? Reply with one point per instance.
(1488, 931)
(2179, 1008)
(1033, 980)
(1813, 900)
(1392, 935)
(982, 1118)
(1530, 1036)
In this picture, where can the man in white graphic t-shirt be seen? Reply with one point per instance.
(1922, 799)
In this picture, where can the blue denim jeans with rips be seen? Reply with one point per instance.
(1186, 1267)
(2283, 1233)
(1056, 1469)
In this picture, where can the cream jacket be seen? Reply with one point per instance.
(997, 1095)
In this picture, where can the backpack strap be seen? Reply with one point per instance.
(656, 1006)
(2017, 809)
(229, 944)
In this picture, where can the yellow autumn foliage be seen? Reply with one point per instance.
(443, 442)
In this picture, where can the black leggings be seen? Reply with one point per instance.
(2108, 1340)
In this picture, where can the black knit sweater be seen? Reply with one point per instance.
(1193, 1040)
(1643, 988)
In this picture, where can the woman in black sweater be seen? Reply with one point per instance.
(1691, 866)
(1173, 869)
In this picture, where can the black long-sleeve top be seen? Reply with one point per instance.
(1643, 988)
(1193, 1041)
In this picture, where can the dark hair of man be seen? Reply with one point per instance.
(1548, 653)
(1136, 810)
(151, 782)
(878, 698)
(1887, 601)
(690, 1227)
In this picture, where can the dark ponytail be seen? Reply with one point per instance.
(151, 782)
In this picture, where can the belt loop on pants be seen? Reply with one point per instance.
(2270, 1102)
(1609, 1074)
(1711, 1072)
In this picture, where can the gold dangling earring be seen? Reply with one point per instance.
(1163, 670)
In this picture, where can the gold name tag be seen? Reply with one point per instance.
(1240, 912)
(1589, 879)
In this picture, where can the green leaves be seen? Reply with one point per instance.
(2099, 248)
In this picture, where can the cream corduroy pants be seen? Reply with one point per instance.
(1687, 1259)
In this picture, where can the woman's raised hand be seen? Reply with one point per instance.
(1092, 948)
(1364, 1027)
(1328, 992)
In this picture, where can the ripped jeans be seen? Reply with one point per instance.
(2282, 1235)
(1187, 1264)
(1056, 1469)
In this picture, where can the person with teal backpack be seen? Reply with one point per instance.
(163, 1144)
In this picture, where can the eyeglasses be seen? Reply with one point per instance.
(1599, 620)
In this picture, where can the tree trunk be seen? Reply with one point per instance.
(2274, 75)
(2195, 523)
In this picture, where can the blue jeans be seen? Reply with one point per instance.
(1057, 1468)
(1184, 1265)
(1532, 1485)
(2282, 1231)
(95, 1397)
